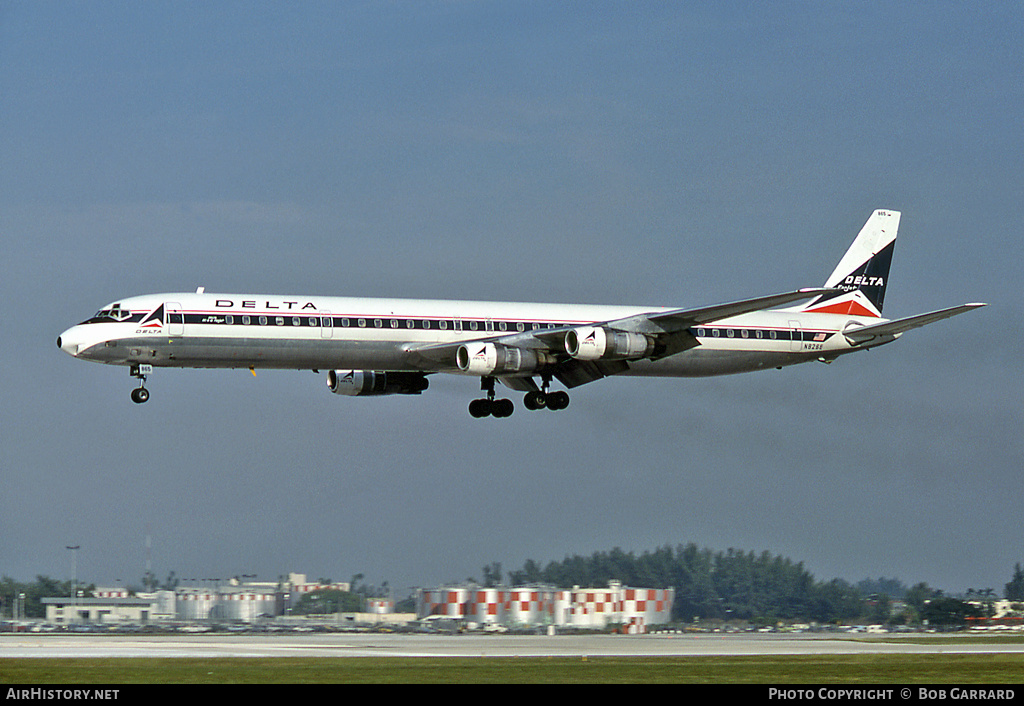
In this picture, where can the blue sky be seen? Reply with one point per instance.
(638, 153)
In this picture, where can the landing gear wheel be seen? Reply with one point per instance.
(480, 408)
(535, 400)
(541, 399)
(558, 400)
(502, 408)
(490, 406)
(140, 394)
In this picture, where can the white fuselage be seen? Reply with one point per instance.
(202, 330)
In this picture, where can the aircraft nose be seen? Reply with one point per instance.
(69, 341)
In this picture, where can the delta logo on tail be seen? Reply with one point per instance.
(862, 274)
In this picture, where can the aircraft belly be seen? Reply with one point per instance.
(220, 352)
(705, 363)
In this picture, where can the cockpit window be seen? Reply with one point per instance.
(113, 313)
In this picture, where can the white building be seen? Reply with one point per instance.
(65, 610)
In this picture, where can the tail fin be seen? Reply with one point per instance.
(863, 272)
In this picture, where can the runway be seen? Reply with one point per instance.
(406, 645)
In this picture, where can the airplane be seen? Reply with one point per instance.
(372, 347)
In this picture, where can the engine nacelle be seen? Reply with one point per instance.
(371, 382)
(597, 343)
(486, 359)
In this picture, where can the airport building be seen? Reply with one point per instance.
(231, 601)
(235, 602)
(535, 605)
(246, 604)
(68, 609)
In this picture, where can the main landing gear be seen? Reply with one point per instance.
(542, 399)
(534, 400)
(490, 407)
(546, 400)
(140, 394)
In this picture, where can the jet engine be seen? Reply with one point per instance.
(597, 342)
(487, 359)
(371, 382)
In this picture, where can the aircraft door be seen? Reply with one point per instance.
(795, 336)
(175, 319)
(326, 325)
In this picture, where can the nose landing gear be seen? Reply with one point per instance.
(140, 394)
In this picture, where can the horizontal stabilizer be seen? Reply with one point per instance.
(891, 329)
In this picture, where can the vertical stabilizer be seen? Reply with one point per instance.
(863, 272)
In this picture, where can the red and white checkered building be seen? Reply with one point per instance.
(637, 607)
(245, 605)
(451, 602)
(543, 605)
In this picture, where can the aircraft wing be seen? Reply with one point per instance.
(669, 327)
(679, 319)
(892, 329)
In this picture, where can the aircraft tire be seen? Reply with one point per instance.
(140, 395)
(535, 400)
(480, 408)
(502, 408)
(558, 400)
